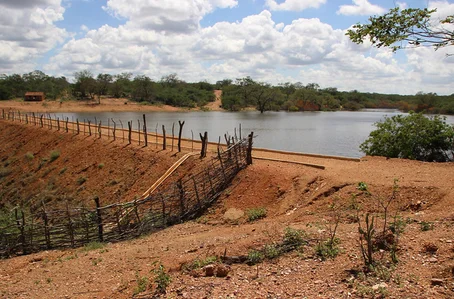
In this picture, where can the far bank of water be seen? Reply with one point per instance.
(329, 133)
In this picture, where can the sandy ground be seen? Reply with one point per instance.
(107, 104)
(293, 195)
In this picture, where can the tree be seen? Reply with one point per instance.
(413, 137)
(85, 84)
(122, 85)
(412, 25)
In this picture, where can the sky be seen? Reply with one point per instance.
(272, 41)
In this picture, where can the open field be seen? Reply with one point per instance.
(293, 196)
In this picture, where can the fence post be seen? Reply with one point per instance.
(78, 128)
(114, 129)
(99, 129)
(156, 133)
(192, 141)
(179, 135)
(89, 127)
(46, 227)
(164, 137)
(41, 120)
(26, 119)
(3, 113)
(129, 131)
(22, 229)
(99, 220)
(181, 196)
(249, 149)
(196, 192)
(138, 129)
(20, 119)
(67, 130)
(70, 225)
(145, 130)
(173, 134)
(108, 129)
(204, 138)
(122, 130)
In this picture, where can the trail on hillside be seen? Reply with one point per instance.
(217, 104)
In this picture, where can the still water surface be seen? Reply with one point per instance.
(329, 133)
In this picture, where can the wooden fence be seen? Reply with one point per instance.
(44, 228)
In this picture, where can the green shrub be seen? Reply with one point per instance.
(29, 156)
(54, 155)
(162, 279)
(254, 257)
(411, 137)
(101, 165)
(294, 237)
(142, 284)
(271, 251)
(327, 249)
(425, 226)
(81, 180)
(255, 214)
(200, 263)
(4, 172)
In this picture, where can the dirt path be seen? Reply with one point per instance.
(217, 104)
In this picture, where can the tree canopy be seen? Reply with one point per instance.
(415, 26)
(413, 137)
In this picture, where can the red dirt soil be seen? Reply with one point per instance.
(293, 195)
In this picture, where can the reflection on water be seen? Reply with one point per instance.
(329, 133)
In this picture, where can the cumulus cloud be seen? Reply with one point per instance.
(361, 7)
(294, 5)
(170, 16)
(28, 31)
(256, 46)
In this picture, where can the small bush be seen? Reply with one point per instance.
(255, 214)
(29, 156)
(327, 249)
(142, 284)
(54, 155)
(101, 165)
(362, 186)
(294, 237)
(162, 279)
(271, 251)
(4, 172)
(63, 170)
(81, 180)
(254, 257)
(200, 263)
(426, 226)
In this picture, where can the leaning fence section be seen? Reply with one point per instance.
(25, 231)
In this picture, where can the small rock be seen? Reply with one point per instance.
(318, 281)
(433, 260)
(380, 285)
(233, 214)
(437, 281)
(449, 241)
(222, 270)
(209, 270)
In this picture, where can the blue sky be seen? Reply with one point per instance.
(271, 41)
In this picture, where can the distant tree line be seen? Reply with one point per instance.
(236, 94)
(246, 92)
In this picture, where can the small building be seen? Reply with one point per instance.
(34, 96)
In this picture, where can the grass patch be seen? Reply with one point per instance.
(256, 214)
(29, 156)
(294, 237)
(271, 251)
(63, 170)
(426, 226)
(4, 172)
(54, 155)
(327, 249)
(200, 263)
(93, 246)
(100, 165)
(81, 180)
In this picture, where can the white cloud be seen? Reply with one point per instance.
(402, 5)
(84, 28)
(294, 5)
(169, 16)
(308, 49)
(361, 7)
(28, 31)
